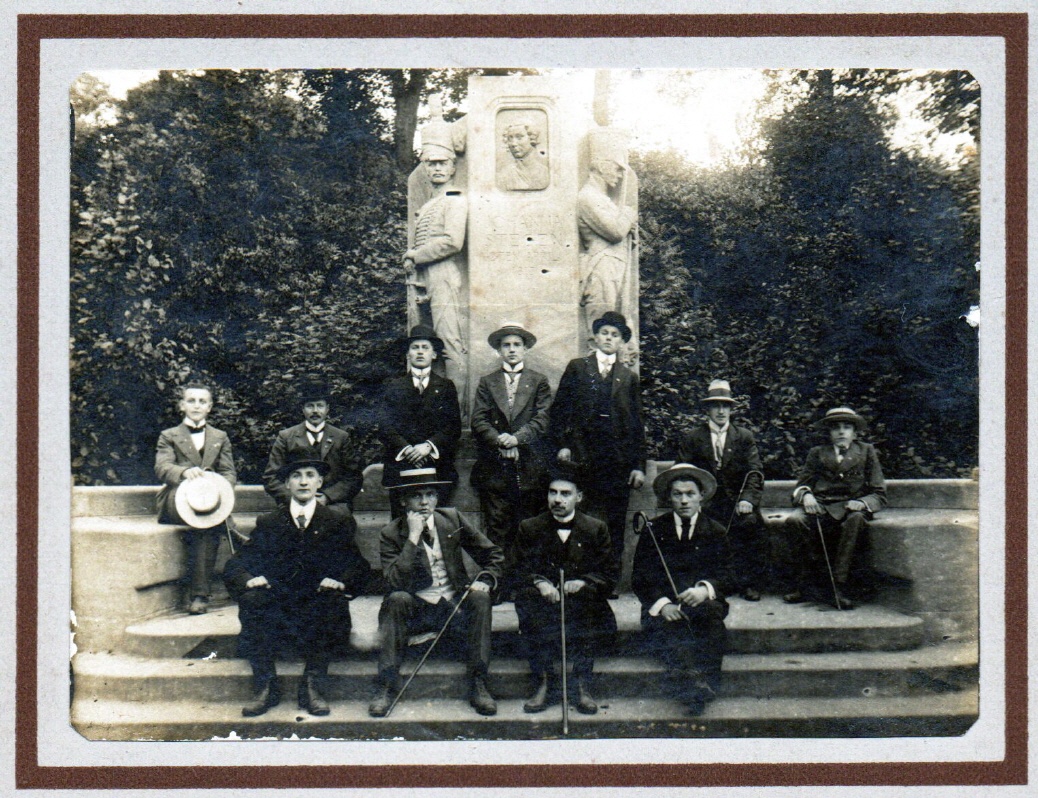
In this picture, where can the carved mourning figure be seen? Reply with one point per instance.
(432, 263)
(528, 170)
(606, 222)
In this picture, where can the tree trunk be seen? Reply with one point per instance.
(407, 85)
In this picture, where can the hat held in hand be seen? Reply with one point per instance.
(205, 501)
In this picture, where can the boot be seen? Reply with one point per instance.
(379, 706)
(480, 698)
(585, 704)
(538, 702)
(310, 699)
(266, 696)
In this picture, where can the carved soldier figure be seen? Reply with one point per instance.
(433, 260)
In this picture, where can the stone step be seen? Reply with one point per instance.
(947, 668)
(938, 714)
(767, 626)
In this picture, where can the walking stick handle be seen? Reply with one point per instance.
(562, 624)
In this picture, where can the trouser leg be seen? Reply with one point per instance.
(609, 503)
(326, 625)
(202, 546)
(477, 615)
(393, 617)
(851, 528)
(539, 628)
(261, 625)
(750, 551)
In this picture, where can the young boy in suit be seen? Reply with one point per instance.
(186, 452)
(838, 490)
(509, 418)
(316, 439)
(596, 422)
(729, 453)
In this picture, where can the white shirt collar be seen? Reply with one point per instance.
(191, 426)
(716, 430)
(296, 509)
(604, 359)
(313, 429)
(420, 373)
(678, 523)
(512, 369)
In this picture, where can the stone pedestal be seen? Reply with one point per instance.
(522, 238)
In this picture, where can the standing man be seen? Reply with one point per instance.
(683, 619)
(433, 259)
(596, 422)
(567, 539)
(509, 418)
(293, 581)
(316, 439)
(422, 565)
(838, 490)
(729, 453)
(420, 425)
(187, 452)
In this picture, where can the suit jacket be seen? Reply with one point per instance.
(175, 453)
(405, 566)
(587, 553)
(295, 561)
(704, 558)
(409, 417)
(338, 450)
(528, 421)
(573, 426)
(833, 484)
(740, 456)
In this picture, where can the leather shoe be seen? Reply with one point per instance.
(585, 704)
(199, 605)
(379, 706)
(538, 702)
(841, 602)
(310, 699)
(750, 594)
(796, 597)
(480, 698)
(263, 699)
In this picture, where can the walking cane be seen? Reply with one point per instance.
(436, 640)
(741, 489)
(641, 522)
(562, 616)
(828, 565)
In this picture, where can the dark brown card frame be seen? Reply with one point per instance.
(1012, 28)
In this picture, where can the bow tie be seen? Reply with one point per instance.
(195, 429)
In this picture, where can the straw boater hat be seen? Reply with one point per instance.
(204, 501)
(511, 328)
(842, 414)
(418, 478)
(613, 319)
(705, 480)
(286, 470)
(719, 391)
(423, 332)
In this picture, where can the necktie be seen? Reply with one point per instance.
(686, 527)
(718, 449)
(511, 384)
(315, 437)
(604, 371)
(841, 452)
(301, 521)
(427, 538)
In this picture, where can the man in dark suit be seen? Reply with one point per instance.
(730, 454)
(316, 439)
(578, 544)
(509, 418)
(420, 424)
(596, 422)
(293, 581)
(183, 453)
(682, 585)
(839, 489)
(422, 564)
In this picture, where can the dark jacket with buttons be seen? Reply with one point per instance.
(857, 476)
(409, 417)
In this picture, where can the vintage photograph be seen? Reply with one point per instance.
(524, 403)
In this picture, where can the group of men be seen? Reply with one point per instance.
(554, 479)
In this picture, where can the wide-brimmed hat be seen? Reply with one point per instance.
(511, 328)
(842, 414)
(204, 501)
(718, 391)
(418, 478)
(423, 332)
(705, 480)
(613, 319)
(303, 462)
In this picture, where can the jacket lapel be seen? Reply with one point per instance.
(522, 394)
(499, 391)
(326, 441)
(187, 448)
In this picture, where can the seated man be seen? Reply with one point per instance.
(316, 439)
(839, 488)
(681, 586)
(729, 452)
(422, 564)
(186, 452)
(564, 539)
(293, 581)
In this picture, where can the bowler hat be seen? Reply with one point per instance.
(613, 319)
(314, 391)
(303, 462)
(705, 480)
(418, 478)
(838, 414)
(719, 391)
(511, 328)
(564, 472)
(423, 332)
(204, 501)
